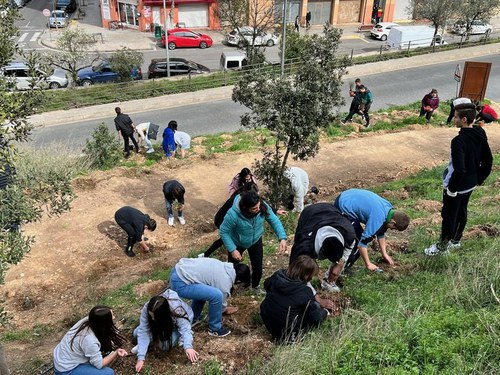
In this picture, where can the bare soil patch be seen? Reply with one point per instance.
(79, 255)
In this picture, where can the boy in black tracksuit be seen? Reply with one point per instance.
(470, 164)
(324, 233)
(290, 306)
(133, 221)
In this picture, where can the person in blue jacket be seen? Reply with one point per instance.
(243, 227)
(377, 215)
(168, 142)
(164, 320)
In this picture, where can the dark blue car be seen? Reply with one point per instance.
(102, 73)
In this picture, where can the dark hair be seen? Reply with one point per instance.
(361, 87)
(242, 274)
(100, 321)
(172, 125)
(118, 110)
(357, 80)
(161, 321)
(177, 192)
(333, 249)
(434, 91)
(303, 268)
(248, 186)
(249, 199)
(150, 223)
(401, 220)
(467, 110)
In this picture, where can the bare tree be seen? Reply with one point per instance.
(258, 15)
(437, 11)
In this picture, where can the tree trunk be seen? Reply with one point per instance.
(3, 363)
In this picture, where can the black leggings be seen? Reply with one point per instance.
(256, 253)
(131, 240)
(217, 243)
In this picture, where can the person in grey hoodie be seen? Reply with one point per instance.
(470, 164)
(165, 319)
(80, 350)
(290, 307)
(207, 279)
(299, 181)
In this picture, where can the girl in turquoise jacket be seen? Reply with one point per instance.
(243, 227)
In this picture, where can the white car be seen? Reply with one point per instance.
(262, 38)
(58, 18)
(477, 27)
(20, 72)
(382, 29)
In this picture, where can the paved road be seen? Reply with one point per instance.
(399, 87)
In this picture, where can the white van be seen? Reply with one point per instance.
(400, 37)
(232, 60)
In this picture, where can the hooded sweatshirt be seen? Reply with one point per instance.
(300, 185)
(289, 306)
(470, 162)
(238, 230)
(316, 223)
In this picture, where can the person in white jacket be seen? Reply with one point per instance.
(165, 319)
(299, 181)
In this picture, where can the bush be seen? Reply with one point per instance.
(103, 149)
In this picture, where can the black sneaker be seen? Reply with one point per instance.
(222, 332)
(130, 253)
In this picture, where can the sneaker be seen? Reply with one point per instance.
(130, 253)
(433, 250)
(181, 220)
(201, 255)
(329, 286)
(197, 321)
(258, 291)
(222, 332)
(150, 151)
(134, 350)
(171, 221)
(453, 245)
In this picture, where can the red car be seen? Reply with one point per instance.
(186, 38)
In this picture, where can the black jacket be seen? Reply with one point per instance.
(135, 219)
(168, 191)
(471, 159)
(313, 218)
(289, 307)
(123, 123)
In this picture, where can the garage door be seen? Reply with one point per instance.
(193, 15)
(320, 11)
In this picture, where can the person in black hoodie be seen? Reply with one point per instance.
(470, 164)
(290, 307)
(324, 233)
(134, 222)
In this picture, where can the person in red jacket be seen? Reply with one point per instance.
(430, 102)
(486, 114)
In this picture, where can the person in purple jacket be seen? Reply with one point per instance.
(430, 102)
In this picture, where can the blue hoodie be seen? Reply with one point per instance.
(237, 230)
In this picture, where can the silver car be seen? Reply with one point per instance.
(263, 38)
(58, 18)
(20, 72)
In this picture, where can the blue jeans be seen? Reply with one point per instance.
(199, 293)
(170, 212)
(164, 345)
(86, 369)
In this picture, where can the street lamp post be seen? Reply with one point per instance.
(166, 36)
(283, 37)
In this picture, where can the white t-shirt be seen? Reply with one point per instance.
(183, 140)
(142, 129)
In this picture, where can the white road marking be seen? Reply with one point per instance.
(21, 39)
(35, 36)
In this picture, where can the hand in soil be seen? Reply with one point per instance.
(230, 310)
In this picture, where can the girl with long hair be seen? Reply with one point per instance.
(164, 320)
(240, 180)
(80, 350)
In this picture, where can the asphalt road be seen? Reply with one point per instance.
(391, 88)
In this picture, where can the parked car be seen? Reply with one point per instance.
(69, 6)
(58, 18)
(22, 75)
(178, 38)
(262, 38)
(233, 60)
(178, 66)
(477, 27)
(102, 73)
(382, 29)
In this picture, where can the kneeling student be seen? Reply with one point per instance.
(291, 305)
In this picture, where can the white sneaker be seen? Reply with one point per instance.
(329, 286)
(134, 350)
(451, 245)
(433, 251)
(150, 151)
(201, 255)
(182, 221)
(171, 221)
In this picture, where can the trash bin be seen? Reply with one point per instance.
(157, 29)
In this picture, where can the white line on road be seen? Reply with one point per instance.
(21, 39)
(35, 36)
